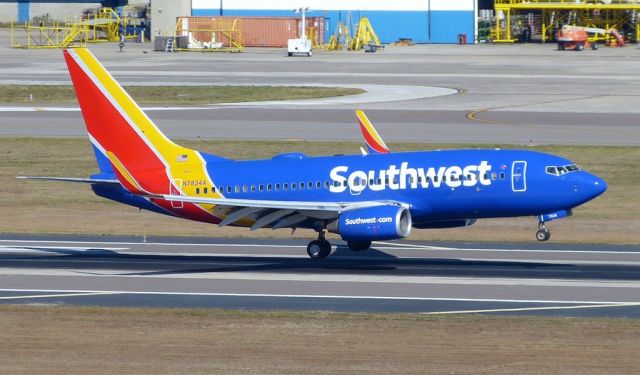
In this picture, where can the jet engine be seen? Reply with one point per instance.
(384, 222)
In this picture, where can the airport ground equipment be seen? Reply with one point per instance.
(365, 37)
(577, 37)
(341, 38)
(54, 35)
(300, 45)
(210, 34)
(103, 26)
(540, 20)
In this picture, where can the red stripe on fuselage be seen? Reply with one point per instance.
(187, 211)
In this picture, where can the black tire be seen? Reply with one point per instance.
(309, 54)
(359, 245)
(289, 53)
(318, 249)
(579, 47)
(595, 46)
(543, 235)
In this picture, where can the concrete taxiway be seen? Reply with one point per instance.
(517, 94)
(443, 278)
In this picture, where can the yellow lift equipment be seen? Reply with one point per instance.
(104, 26)
(543, 18)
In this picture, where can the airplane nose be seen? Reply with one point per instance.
(593, 186)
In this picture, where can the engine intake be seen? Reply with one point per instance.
(384, 222)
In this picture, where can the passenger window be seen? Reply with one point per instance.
(261, 187)
(285, 187)
(245, 188)
(327, 184)
(494, 176)
(277, 187)
(253, 188)
(237, 189)
(197, 190)
(228, 189)
(336, 183)
(502, 175)
(301, 185)
(269, 187)
(213, 190)
(318, 185)
(205, 190)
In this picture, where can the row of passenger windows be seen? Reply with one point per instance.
(327, 184)
(559, 171)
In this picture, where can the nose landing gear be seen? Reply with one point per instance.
(320, 248)
(543, 232)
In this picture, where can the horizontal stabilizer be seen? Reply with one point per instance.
(72, 179)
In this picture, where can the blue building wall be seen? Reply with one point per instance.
(421, 26)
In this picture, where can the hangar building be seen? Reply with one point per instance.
(423, 21)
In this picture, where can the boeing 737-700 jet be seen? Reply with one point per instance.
(376, 195)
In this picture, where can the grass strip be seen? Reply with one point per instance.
(80, 340)
(175, 95)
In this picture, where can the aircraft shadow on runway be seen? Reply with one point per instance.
(342, 261)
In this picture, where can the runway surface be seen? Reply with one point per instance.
(442, 278)
(517, 94)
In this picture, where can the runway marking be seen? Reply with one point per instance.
(56, 295)
(591, 306)
(321, 296)
(396, 246)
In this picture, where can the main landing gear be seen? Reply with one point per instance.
(320, 248)
(543, 232)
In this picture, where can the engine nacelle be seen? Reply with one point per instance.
(386, 222)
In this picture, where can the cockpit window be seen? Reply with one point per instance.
(561, 170)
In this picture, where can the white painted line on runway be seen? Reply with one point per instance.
(39, 249)
(406, 246)
(323, 296)
(590, 306)
(57, 295)
(187, 274)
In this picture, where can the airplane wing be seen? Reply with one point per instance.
(287, 214)
(72, 179)
(375, 144)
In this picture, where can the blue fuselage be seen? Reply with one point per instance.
(436, 185)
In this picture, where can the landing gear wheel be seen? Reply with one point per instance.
(359, 245)
(595, 46)
(319, 249)
(309, 54)
(543, 234)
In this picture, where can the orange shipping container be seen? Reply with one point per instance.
(255, 31)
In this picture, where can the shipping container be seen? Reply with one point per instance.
(254, 31)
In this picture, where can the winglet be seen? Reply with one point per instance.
(370, 134)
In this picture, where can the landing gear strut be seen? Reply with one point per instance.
(320, 248)
(543, 232)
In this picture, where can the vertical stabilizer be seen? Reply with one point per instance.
(144, 160)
